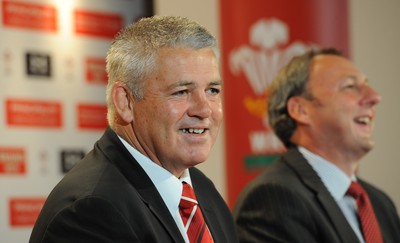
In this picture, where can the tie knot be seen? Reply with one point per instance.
(188, 198)
(355, 190)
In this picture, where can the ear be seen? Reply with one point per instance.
(297, 109)
(123, 103)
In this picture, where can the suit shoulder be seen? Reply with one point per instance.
(80, 220)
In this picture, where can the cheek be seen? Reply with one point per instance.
(172, 111)
(169, 115)
(147, 112)
(216, 120)
(218, 117)
(218, 112)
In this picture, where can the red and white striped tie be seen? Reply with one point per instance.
(192, 217)
(369, 224)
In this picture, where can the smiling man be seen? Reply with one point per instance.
(164, 114)
(323, 109)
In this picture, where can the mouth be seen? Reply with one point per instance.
(363, 120)
(193, 130)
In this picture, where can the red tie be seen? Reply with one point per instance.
(370, 227)
(192, 217)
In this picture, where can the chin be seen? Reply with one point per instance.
(197, 156)
(368, 147)
(193, 162)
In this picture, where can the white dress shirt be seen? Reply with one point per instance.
(337, 183)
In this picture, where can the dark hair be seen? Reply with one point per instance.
(291, 81)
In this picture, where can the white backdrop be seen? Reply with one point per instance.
(52, 96)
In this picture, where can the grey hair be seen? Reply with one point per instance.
(133, 53)
(291, 81)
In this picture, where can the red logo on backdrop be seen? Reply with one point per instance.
(96, 70)
(12, 161)
(259, 62)
(29, 16)
(24, 211)
(33, 113)
(258, 38)
(97, 24)
(92, 116)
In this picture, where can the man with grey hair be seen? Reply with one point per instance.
(139, 183)
(322, 108)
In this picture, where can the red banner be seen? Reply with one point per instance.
(96, 70)
(33, 113)
(29, 16)
(258, 38)
(92, 116)
(24, 211)
(12, 161)
(97, 24)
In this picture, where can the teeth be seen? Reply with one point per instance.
(193, 130)
(365, 120)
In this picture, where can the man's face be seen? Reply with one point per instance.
(343, 110)
(178, 120)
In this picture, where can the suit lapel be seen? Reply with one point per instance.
(209, 214)
(152, 198)
(135, 174)
(329, 205)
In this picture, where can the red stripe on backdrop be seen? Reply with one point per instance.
(258, 38)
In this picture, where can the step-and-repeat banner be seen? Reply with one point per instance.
(52, 96)
(258, 38)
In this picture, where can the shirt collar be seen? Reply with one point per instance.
(334, 179)
(168, 185)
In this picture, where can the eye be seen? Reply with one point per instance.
(214, 91)
(349, 83)
(180, 92)
(349, 86)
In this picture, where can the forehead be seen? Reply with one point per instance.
(177, 66)
(332, 69)
(187, 61)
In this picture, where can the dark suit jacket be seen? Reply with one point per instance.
(107, 197)
(289, 203)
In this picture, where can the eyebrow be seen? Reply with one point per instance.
(353, 77)
(214, 83)
(191, 83)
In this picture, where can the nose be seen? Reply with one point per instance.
(372, 97)
(200, 106)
